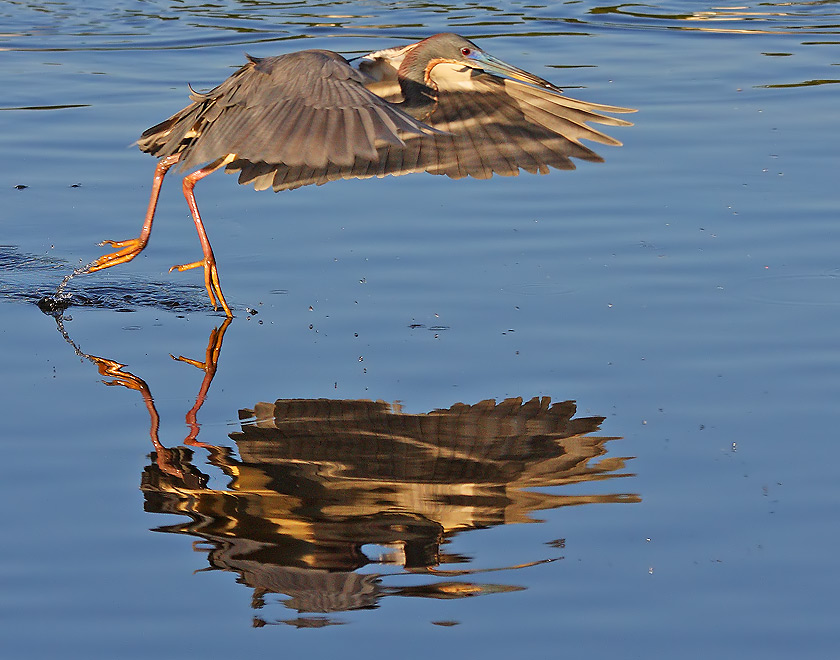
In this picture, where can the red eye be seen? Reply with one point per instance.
(466, 52)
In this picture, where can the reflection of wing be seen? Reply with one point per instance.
(511, 444)
(323, 487)
(307, 109)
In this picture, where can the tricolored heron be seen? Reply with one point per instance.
(441, 105)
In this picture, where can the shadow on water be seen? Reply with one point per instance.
(331, 502)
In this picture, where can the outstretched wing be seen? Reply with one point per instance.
(303, 110)
(492, 125)
(485, 125)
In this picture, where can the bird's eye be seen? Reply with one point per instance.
(466, 52)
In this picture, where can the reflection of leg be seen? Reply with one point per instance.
(211, 273)
(166, 458)
(134, 246)
(211, 362)
(114, 369)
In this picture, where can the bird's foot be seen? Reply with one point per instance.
(130, 249)
(211, 282)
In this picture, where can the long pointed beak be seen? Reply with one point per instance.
(496, 66)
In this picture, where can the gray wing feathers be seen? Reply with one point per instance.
(307, 118)
(482, 132)
(304, 109)
(501, 126)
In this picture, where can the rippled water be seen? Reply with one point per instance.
(590, 412)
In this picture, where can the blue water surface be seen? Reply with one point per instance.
(685, 294)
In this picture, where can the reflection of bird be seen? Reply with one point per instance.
(441, 105)
(321, 488)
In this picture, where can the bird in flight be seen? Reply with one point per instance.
(441, 105)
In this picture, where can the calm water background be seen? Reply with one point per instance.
(688, 290)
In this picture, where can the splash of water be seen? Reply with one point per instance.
(59, 292)
(59, 301)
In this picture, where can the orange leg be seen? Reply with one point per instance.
(211, 273)
(134, 246)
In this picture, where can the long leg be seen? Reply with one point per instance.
(211, 273)
(134, 246)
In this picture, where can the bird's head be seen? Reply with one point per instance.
(450, 47)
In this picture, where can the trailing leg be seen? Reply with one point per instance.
(134, 246)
